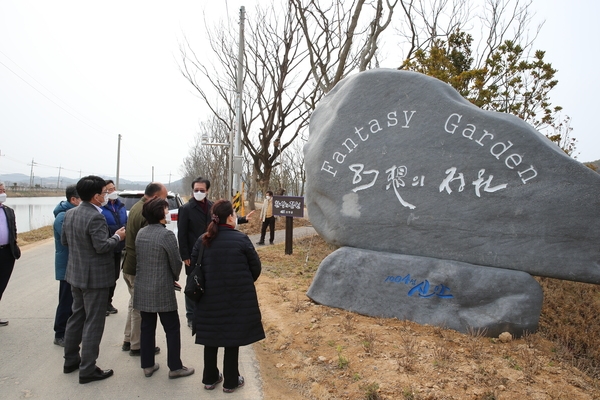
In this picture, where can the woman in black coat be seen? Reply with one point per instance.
(227, 315)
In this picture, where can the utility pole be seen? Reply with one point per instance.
(118, 160)
(58, 180)
(236, 150)
(31, 174)
(152, 174)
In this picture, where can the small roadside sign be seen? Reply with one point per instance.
(288, 206)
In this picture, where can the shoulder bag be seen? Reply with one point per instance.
(194, 284)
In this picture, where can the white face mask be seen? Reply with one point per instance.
(104, 201)
(113, 196)
(2, 197)
(167, 215)
(199, 196)
(268, 198)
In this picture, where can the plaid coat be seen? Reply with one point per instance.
(91, 262)
(158, 267)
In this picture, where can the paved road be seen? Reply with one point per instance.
(31, 365)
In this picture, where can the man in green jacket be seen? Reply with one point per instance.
(135, 222)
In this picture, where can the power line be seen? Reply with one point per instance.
(48, 98)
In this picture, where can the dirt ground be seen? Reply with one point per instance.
(317, 352)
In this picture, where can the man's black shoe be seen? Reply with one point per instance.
(97, 375)
(126, 346)
(133, 352)
(67, 369)
(261, 243)
(111, 309)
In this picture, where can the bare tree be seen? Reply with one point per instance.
(341, 39)
(277, 87)
(297, 52)
(291, 174)
(208, 161)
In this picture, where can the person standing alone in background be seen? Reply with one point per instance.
(61, 257)
(116, 217)
(9, 250)
(267, 218)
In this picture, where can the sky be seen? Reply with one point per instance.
(74, 75)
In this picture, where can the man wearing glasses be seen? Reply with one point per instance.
(193, 218)
(116, 217)
(90, 272)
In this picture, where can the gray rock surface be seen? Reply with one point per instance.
(399, 162)
(451, 294)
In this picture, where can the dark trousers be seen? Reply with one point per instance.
(230, 366)
(7, 263)
(63, 311)
(190, 308)
(170, 322)
(111, 291)
(85, 327)
(268, 222)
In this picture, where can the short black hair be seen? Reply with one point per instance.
(201, 180)
(110, 181)
(152, 189)
(154, 210)
(71, 192)
(89, 186)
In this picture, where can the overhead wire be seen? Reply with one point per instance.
(55, 103)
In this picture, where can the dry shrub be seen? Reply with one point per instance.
(348, 322)
(532, 364)
(282, 290)
(475, 342)
(368, 342)
(571, 317)
(442, 355)
(410, 346)
(298, 305)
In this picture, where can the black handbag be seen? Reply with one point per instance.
(194, 284)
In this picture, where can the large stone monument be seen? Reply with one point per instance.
(442, 211)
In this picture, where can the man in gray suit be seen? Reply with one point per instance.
(90, 272)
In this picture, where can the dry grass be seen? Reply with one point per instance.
(318, 352)
(571, 319)
(35, 235)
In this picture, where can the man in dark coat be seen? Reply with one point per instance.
(192, 220)
(9, 250)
